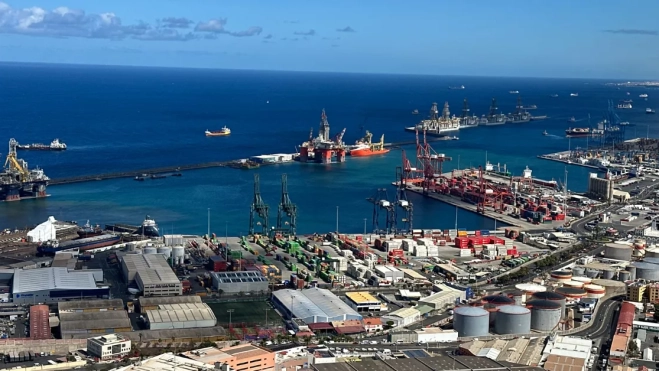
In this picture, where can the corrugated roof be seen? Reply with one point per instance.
(361, 297)
(79, 321)
(405, 312)
(319, 303)
(152, 268)
(44, 279)
(64, 306)
(185, 312)
(150, 301)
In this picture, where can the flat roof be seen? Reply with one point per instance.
(168, 362)
(64, 306)
(158, 300)
(39, 322)
(53, 278)
(208, 355)
(245, 350)
(151, 268)
(413, 274)
(361, 297)
(113, 319)
(321, 304)
(237, 277)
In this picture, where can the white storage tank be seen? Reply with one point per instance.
(471, 321)
(584, 280)
(513, 319)
(165, 250)
(647, 354)
(178, 252)
(573, 283)
(595, 291)
(150, 250)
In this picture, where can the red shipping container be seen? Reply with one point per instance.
(511, 252)
(477, 233)
(359, 238)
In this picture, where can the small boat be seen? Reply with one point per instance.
(649, 110)
(572, 119)
(415, 112)
(554, 95)
(574, 94)
(461, 87)
(177, 174)
(514, 92)
(139, 178)
(628, 93)
(624, 106)
(157, 176)
(643, 96)
(627, 101)
(624, 123)
(545, 133)
(218, 133)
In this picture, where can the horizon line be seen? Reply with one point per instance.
(18, 63)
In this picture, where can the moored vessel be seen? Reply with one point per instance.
(582, 132)
(83, 244)
(88, 230)
(520, 115)
(218, 133)
(437, 125)
(18, 181)
(364, 147)
(55, 145)
(493, 117)
(467, 120)
(149, 228)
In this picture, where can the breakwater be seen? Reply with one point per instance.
(180, 168)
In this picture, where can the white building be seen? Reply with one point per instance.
(47, 285)
(402, 317)
(313, 305)
(389, 273)
(446, 296)
(108, 346)
(43, 232)
(436, 335)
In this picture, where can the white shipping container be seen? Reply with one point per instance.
(465, 252)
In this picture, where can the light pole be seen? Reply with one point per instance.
(337, 220)
(365, 226)
(266, 317)
(208, 231)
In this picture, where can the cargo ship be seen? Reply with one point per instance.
(493, 117)
(17, 181)
(88, 231)
(218, 133)
(84, 244)
(55, 145)
(364, 147)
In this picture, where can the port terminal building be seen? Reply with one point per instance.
(362, 301)
(51, 285)
(154, 277)
(313, 305)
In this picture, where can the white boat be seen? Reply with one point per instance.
(649, 110)
(643, 96)
(514, 92)
(574, 94)
(624, 106)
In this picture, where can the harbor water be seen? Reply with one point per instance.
(124, 118)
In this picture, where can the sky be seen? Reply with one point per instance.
(532, 38)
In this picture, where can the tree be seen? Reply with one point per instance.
(632, 349)
(307, 340)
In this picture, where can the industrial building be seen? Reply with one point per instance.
(522, 350)
(402, 317)
(90, 305)
(447, 296)
(152, 303)
(153, 275)
(48, 285)
(108, 346)
(389, 273)
(175, 316)
(235, 282)
(80, 325)
(313, 305)
(436, 335)
(40, 322)
(240, 357)
(168, 362)
(362, 301)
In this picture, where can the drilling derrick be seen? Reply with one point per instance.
(17, 181)
(258, 210)
(403, 205)
(323, 148)
(287, 209)
(381, 203)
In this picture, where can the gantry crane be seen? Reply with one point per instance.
(381, 203)
(287, 209)
(430, 162)
(403, 205)
(259, 209)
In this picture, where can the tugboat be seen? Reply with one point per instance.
(218, 133)
(55, 145)
(649, 111)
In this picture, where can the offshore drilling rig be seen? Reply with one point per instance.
(17, 181)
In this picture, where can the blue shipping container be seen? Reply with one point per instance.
(485, 233)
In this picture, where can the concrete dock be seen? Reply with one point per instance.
(564, 158)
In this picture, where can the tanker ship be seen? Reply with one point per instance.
(17, 181)
(55, 145)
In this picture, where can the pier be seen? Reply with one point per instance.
(565, 158)
(180, 168)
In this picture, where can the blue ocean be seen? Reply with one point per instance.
(130, 118)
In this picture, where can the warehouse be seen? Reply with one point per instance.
(363, 301)
(81, 324)
(175, 316)
(48, 285)
(90, 305)
(152, 303)
(235, 282)
(389, 273)
(402, 317)
(448, 296)
(153, 275)
(313, 305)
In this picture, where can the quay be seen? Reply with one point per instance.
(180, 168)
(564, 157)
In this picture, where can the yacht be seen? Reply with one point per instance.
(643, 96)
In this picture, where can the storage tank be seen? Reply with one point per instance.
(552, 296)
(578, 270)
(561, 276)
(608, 274)
(530, 289)
(492, 302)
(618, 252)
(518, 296)
(545, 314)
(571, 293)
(150, 250)
(652, 252)
(612, 287)
(513, 319)
(471, 321)
(583, 280)
(595, 291)
(647, 271)
(165, 250)
(592, 273)
(178, 252)
(130, 246)
(573, 283)
(632, 272)
(624, 276)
